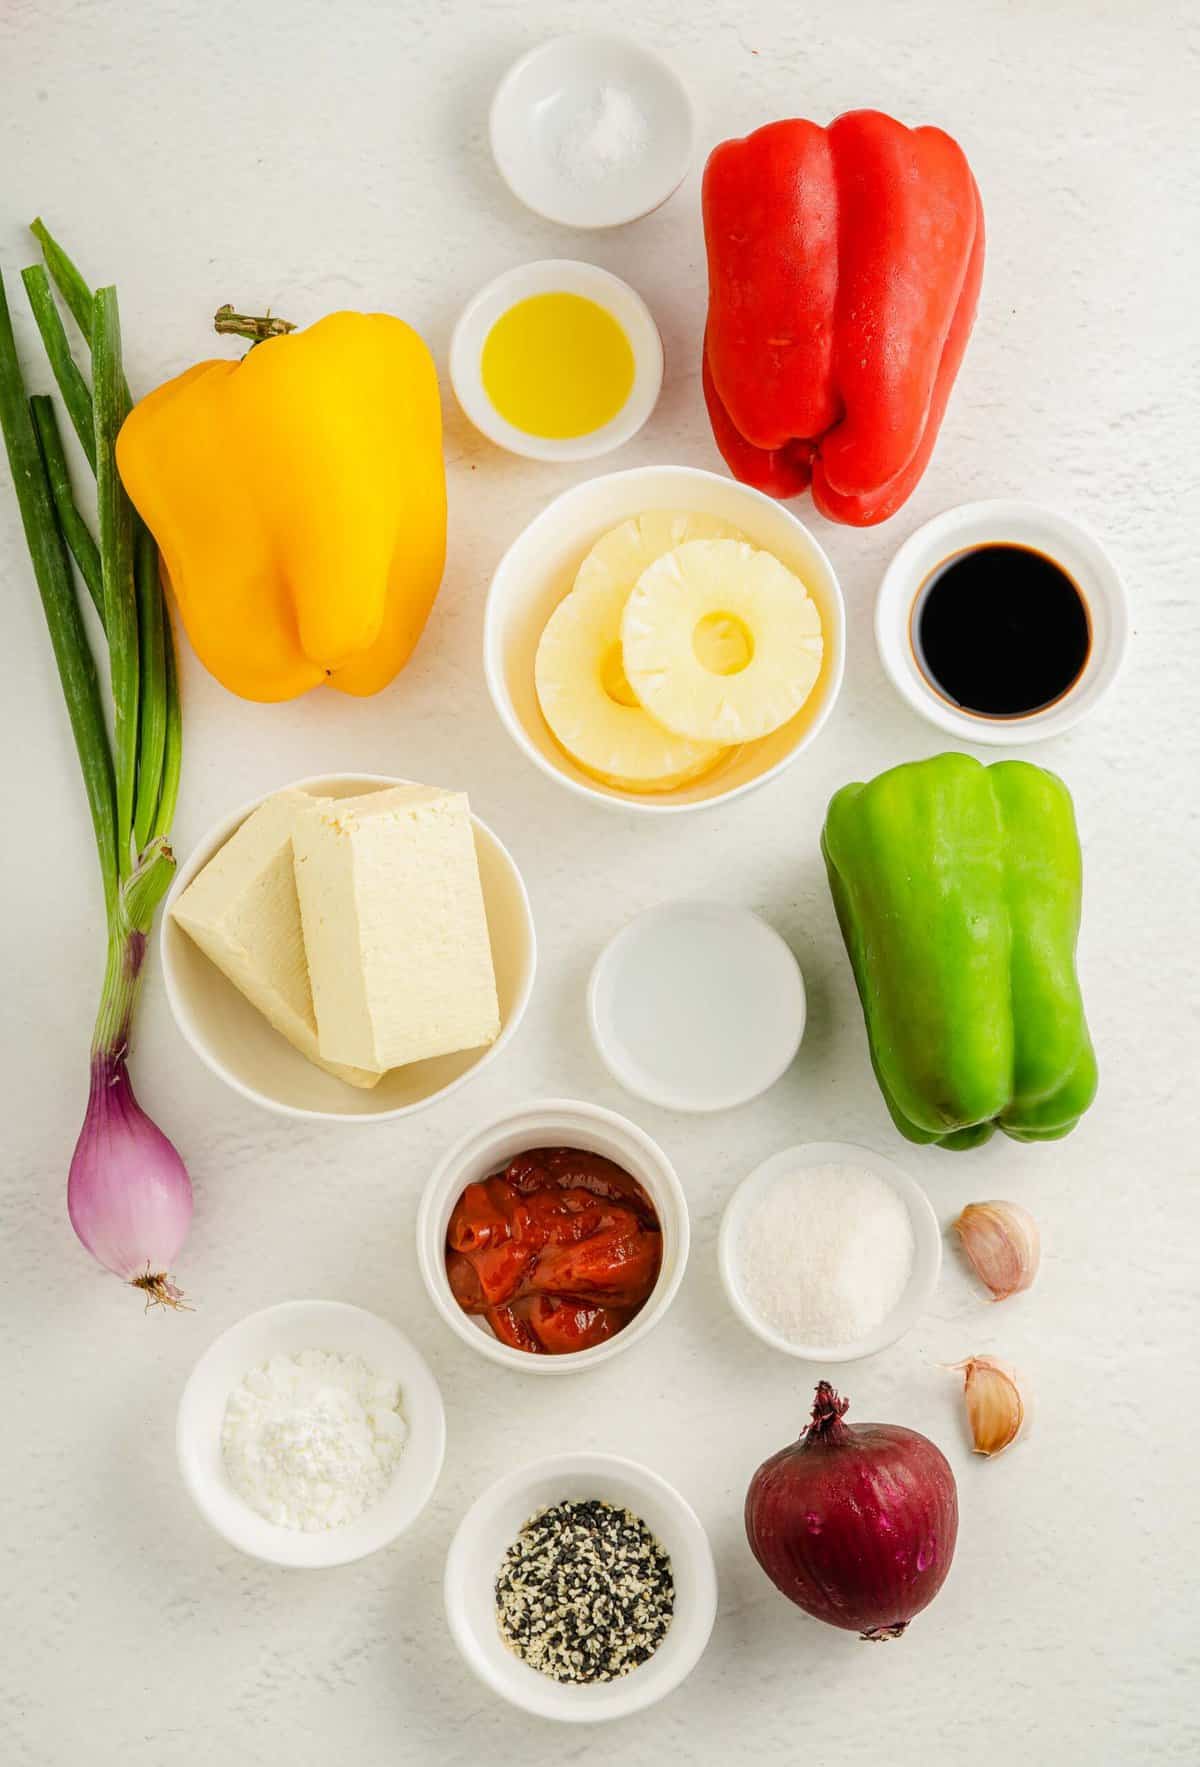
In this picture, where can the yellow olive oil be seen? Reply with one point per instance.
(557, 365)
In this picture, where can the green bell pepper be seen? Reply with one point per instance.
(957, 888)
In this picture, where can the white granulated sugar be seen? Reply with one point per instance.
(312, 1440)
(825, 1254)
(605, 137)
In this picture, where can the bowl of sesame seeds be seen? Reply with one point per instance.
(581, 1588)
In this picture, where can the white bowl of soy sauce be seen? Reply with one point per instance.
(1002, 622)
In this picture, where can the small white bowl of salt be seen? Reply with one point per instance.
(592, 130)
(829, 1252)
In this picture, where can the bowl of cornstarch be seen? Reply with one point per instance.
(581, 1588)
(829, 1251)
(311, 1434)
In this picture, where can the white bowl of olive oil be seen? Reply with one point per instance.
(557, 360)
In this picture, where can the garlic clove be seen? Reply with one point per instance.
(1003, 1244)
(995, 1406)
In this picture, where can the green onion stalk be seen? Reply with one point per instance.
(128, 1194)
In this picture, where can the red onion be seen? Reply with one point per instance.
(855, 1523)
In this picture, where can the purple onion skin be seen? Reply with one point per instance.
(128, 1194)
(855, 1524)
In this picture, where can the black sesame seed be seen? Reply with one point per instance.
(585, 1592)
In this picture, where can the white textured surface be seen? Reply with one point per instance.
(318, 156)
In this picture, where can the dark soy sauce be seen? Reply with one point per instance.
(1001, 630)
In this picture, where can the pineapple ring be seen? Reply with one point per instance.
(579, 675)
(721, 642)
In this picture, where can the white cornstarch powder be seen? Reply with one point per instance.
(608, 136)
(825, 1254)
(311, 1441)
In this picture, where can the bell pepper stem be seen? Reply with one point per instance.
(258, 328)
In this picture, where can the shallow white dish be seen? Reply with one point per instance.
(286, 1330)
(539, 569)
(232, 1038)
(554, 1122)
(556, 276)
(1023, 524)
(492, 1524)
(548, 97)
(927, 1247)
(696, 1006)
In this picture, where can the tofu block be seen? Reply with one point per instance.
(242, 912)
(394, 925)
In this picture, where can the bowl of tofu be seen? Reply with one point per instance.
(350, 947)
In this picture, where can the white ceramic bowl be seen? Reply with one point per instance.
(286, 1330)
(539, 569)
(696, 1006)
(927, 1254)
(232, 1038)
(552, 1123)
(492, 1524)
(1022, 524)
(557, 276)
(552, 95)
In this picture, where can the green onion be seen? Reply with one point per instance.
(76, 532)
(152, 687)
(52, 568)
(67, 280)
(128, 1194)
(71, 384)
(154, 684)
(116, 559)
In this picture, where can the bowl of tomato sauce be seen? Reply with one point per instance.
(553, 1238)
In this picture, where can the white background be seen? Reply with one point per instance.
(312, 156)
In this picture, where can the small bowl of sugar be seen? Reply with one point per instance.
(311, 1434)
(829, 1252)
(592, 130)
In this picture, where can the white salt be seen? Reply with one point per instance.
(603, 139)
(825, 1254)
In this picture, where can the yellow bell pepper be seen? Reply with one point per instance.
(298, 498)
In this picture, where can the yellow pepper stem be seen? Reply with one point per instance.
(257, 328)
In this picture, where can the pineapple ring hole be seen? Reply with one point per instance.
(613, 678)
(723, 644)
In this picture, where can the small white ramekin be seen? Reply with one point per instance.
(492, 1524)
(927, 1247)
(286, 1330)
(555, 83)
(1070, 545)
(557, 276)
(756, 1031)
(539, 569)
(552, 1122)
(233, 1039)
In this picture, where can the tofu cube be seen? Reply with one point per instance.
(242, 911)
(394, 925)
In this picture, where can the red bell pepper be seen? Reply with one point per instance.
(844, 267)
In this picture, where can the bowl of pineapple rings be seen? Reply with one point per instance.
(664, 639)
